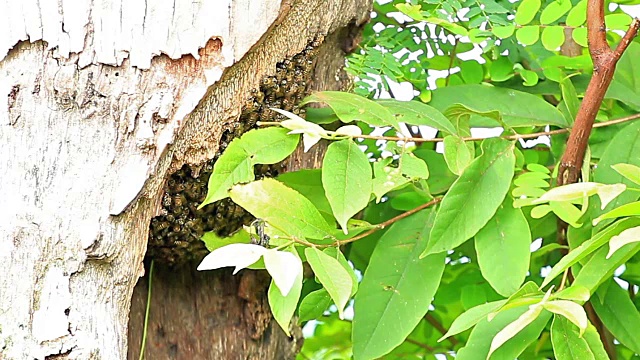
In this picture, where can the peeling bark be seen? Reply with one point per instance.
(85, 148)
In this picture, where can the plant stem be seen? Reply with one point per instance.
(438, 326)
(143, 342)
(424, 346)
(375, 228)
(507, 137)
(384, 224)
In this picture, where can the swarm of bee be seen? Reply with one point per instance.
(174, 236)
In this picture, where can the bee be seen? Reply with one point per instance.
(292, 91)
(178, 200)
(269, 82)
(161, 226)
(306, 70)
(287, 104)
(260, 237)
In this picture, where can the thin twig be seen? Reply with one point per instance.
(384, 224)
(436, 324)
(507, 137)
(143, 342)
(375, 228)
(424, 346)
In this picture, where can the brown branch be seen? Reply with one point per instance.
(604, 63)
(436, 324)
(424, 346)
(606, 339)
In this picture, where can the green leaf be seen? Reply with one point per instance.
(335, 253)
(474, 197)
(386, 178)
(527, 291)
(578, 15)
(457, 154)
(620, 316)
(320, 116)
(571, 311)
(527, 10)
(513, 328)
(346, 178)
(471, 317)
(477, 346)
(472, 72)
(631, 172)
(567, 212)
(503, 248)
(283, 307)
(308, 182)
(538, 168)
(503, 32)
(595, 344)
(212, 241)
(580, 36)
(349, 107)
(440, 178)
(528, 35)
(413, 167)
(517, 109)
(283, 208)
(625, 85)
(599, 268)
(530, 77)
(617, 21)
(417, 113)
(461, 114)
(631, 209)
(570, 97)
(235, 165)
(554, 11)
(623, 148)
(284, 267)
(397, 287)
(501, 69)
(314, 305)
(568, 344)
(332, 276)
(628, 236)
(576, 293)
(588, 247)
(578, 191)
(268, 145)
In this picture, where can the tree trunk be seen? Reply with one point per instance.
(214, 315)
(93, 124)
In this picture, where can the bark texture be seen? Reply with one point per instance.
(86, 147)
(214, 315)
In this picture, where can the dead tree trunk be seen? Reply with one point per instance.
(214, 315)
(92, 121)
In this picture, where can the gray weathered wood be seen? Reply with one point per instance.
(87, 137)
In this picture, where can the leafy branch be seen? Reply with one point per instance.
(338, 136)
